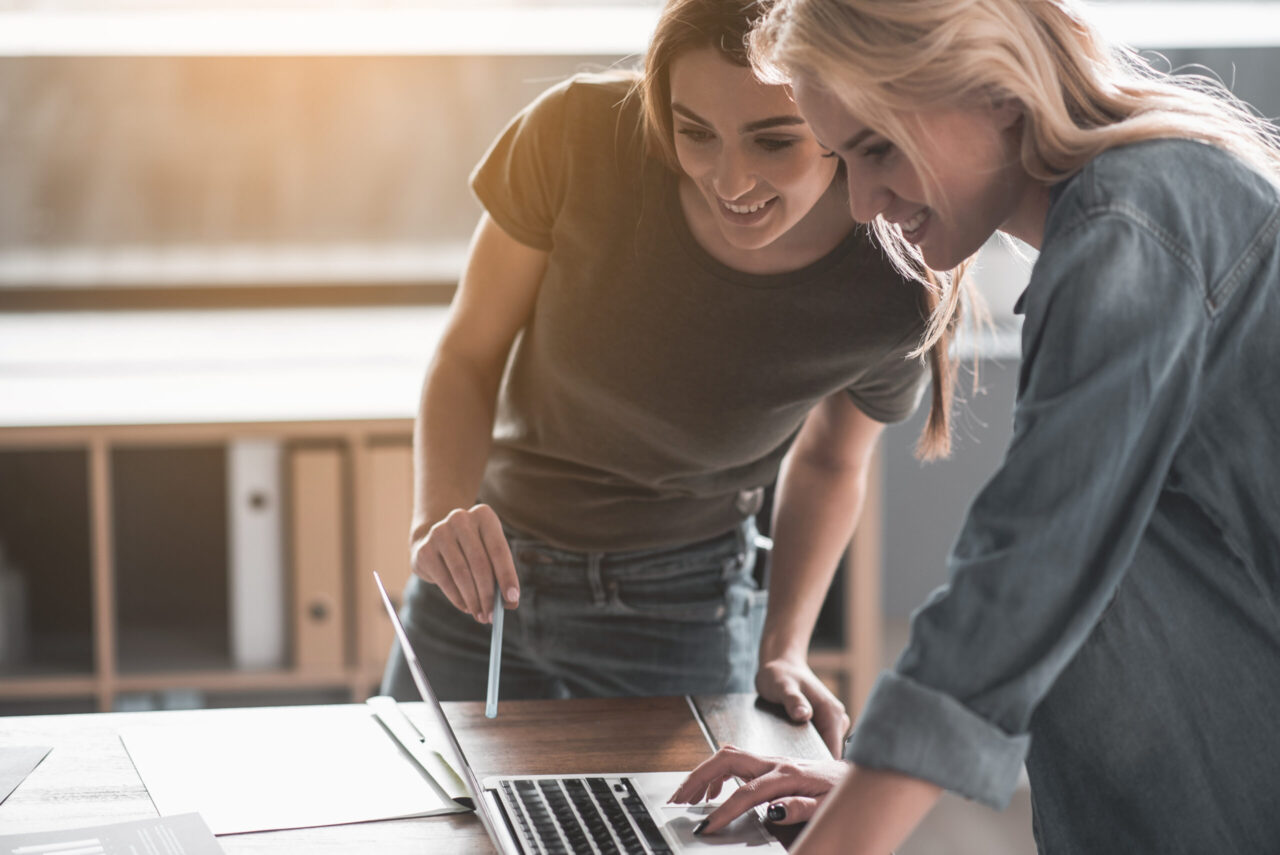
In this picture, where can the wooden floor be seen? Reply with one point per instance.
(957, 826)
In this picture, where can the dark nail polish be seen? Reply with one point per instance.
(776, 813)
(701, 827)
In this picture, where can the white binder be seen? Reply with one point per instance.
(256, 554)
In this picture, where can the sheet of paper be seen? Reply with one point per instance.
(170, 835)
(16, 763)
(288, 767)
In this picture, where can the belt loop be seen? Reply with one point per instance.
(733, 565)
(595, 578)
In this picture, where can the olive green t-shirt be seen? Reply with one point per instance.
(655, 390)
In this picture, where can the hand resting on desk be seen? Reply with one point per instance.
(798, 690)
(798, 786)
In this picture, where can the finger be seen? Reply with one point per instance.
(499, 553)
(791, 810)
(456, 563)
(831, 721)
(467, 532)
(728, 762)
(796, 703)
(784, 689)
(433, 570)
(764, 790)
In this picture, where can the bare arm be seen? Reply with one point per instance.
(871, 812)
(454, 543)
(854, 809)
(820, 494)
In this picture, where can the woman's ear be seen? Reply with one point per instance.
(1007, 112)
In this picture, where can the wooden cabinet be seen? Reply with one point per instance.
(346, 510)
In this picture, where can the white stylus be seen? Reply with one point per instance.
(495, 656)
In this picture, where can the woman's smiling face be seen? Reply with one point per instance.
(971, 154)
(746, 148)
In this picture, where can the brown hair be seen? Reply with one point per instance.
(685, 25)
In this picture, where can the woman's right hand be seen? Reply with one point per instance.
(463, 554)
(795, 787)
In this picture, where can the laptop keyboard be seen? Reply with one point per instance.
(574, 816)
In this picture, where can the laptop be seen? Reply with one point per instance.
(612, 814)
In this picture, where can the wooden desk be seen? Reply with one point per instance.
(88, 778)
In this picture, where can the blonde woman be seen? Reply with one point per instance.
(666, 303)
(1113, 612)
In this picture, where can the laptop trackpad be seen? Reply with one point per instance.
(743, 834)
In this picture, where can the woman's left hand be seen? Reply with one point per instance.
(797, 786)
(805, 697)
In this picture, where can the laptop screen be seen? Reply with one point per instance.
(469, 780)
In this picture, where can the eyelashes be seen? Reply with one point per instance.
(694, 134)
(878, 152)
(770, 145)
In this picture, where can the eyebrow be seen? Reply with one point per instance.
(852, 142)
(749, 127)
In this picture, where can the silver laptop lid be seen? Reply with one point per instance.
(483, 810)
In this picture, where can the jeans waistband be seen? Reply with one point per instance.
(737, 541)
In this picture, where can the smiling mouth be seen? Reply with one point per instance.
(749, 211)
(912, 226)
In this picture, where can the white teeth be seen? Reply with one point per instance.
(745, 209)
(914, 223)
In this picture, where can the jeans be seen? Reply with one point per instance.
(664, 621)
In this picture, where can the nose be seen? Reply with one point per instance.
(734, 176)
(867, 197)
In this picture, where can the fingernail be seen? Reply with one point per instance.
(513, 595)
(701, 827)
(776, 813)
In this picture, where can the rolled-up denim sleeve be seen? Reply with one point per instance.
(1113, 339)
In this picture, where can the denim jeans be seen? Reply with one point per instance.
(664, 621)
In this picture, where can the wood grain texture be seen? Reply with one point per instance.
(88, 778)
(756, 725)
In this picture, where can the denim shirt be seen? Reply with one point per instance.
(1112, 612)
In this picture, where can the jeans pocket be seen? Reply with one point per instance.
(744, 625)
(696, 595)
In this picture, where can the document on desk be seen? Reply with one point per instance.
(16, 763)
(287, 767)
(169, 835)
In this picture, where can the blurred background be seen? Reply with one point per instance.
(194, 195)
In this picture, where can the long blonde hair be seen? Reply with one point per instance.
(886, 60)
(685, 25)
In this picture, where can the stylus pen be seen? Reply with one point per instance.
(495, 656)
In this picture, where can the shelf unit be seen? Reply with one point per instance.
(337, 389)
(369, 501)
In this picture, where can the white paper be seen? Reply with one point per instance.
(289, 767)
(178, 835)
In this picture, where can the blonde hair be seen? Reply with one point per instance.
(888, 60)
(685, 25)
